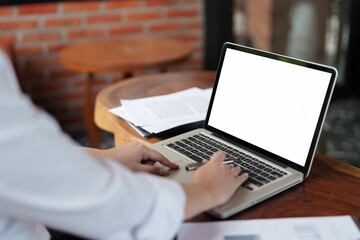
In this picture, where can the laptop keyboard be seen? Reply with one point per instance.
(199, 147)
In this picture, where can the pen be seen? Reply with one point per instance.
(194, 166)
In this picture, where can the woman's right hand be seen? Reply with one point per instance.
(212, 185)
(220, 180)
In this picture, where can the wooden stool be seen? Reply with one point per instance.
(126, 55)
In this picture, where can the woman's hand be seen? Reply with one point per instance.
(212, 185)
(135, 156)
(220, 180)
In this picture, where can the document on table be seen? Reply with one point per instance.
(179, 106)
(159, 113)
(308, 228)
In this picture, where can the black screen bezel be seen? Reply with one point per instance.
(262, 152)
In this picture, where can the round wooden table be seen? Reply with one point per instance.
(138, 87)
(332, 187)
(125, 55)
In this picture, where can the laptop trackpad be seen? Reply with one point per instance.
(180, 175)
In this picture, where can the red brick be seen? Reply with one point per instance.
(104, 19)
(80, 6)
(197, 50)
(182, 13)
(126, 30)
(189, 38)
(152, 3)
(28, 51)
(59, 22)
(195, 25)
(41, 63)
(31, 76)
(165, 27)
(17, 25)
(56, 48)
(143, 16)
(9, 38)
(50, 86)
(62, 74)
(69, 96)
(122, 4)
(94, 82)
(6, 11)
(84, 33)
(42, 8)
(41, 37)
(100, 82)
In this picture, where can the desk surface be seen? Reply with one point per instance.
(125, 55)
(332, 188)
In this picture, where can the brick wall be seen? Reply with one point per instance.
(40, 31)
(260, 23)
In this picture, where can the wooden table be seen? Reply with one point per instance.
(125, 55)
(332, 188)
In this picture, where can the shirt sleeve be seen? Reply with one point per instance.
(44, 178)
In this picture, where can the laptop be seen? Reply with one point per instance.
(266, 110)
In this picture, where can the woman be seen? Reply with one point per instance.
(103, 194)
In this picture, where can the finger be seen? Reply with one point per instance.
(148, 162)
(231, 165)
(218, 156)
(235, 170)
(152, 169)
(242, 177)
(152, 155)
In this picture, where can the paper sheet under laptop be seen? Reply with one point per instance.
(309, 228)
(159, 113)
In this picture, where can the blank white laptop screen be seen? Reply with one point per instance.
(271, 104)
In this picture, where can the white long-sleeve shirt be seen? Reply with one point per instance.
(45, 180)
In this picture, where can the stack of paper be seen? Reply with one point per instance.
(160, 113)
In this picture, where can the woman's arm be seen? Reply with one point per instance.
(136, 157)
(207, 187)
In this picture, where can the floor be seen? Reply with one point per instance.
(340, 136)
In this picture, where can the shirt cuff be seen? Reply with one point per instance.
(168, 209)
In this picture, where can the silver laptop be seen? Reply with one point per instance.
(266, 110)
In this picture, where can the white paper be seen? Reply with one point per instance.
(121, 112)
(159, 113)
(309, 228)
(181, 106)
